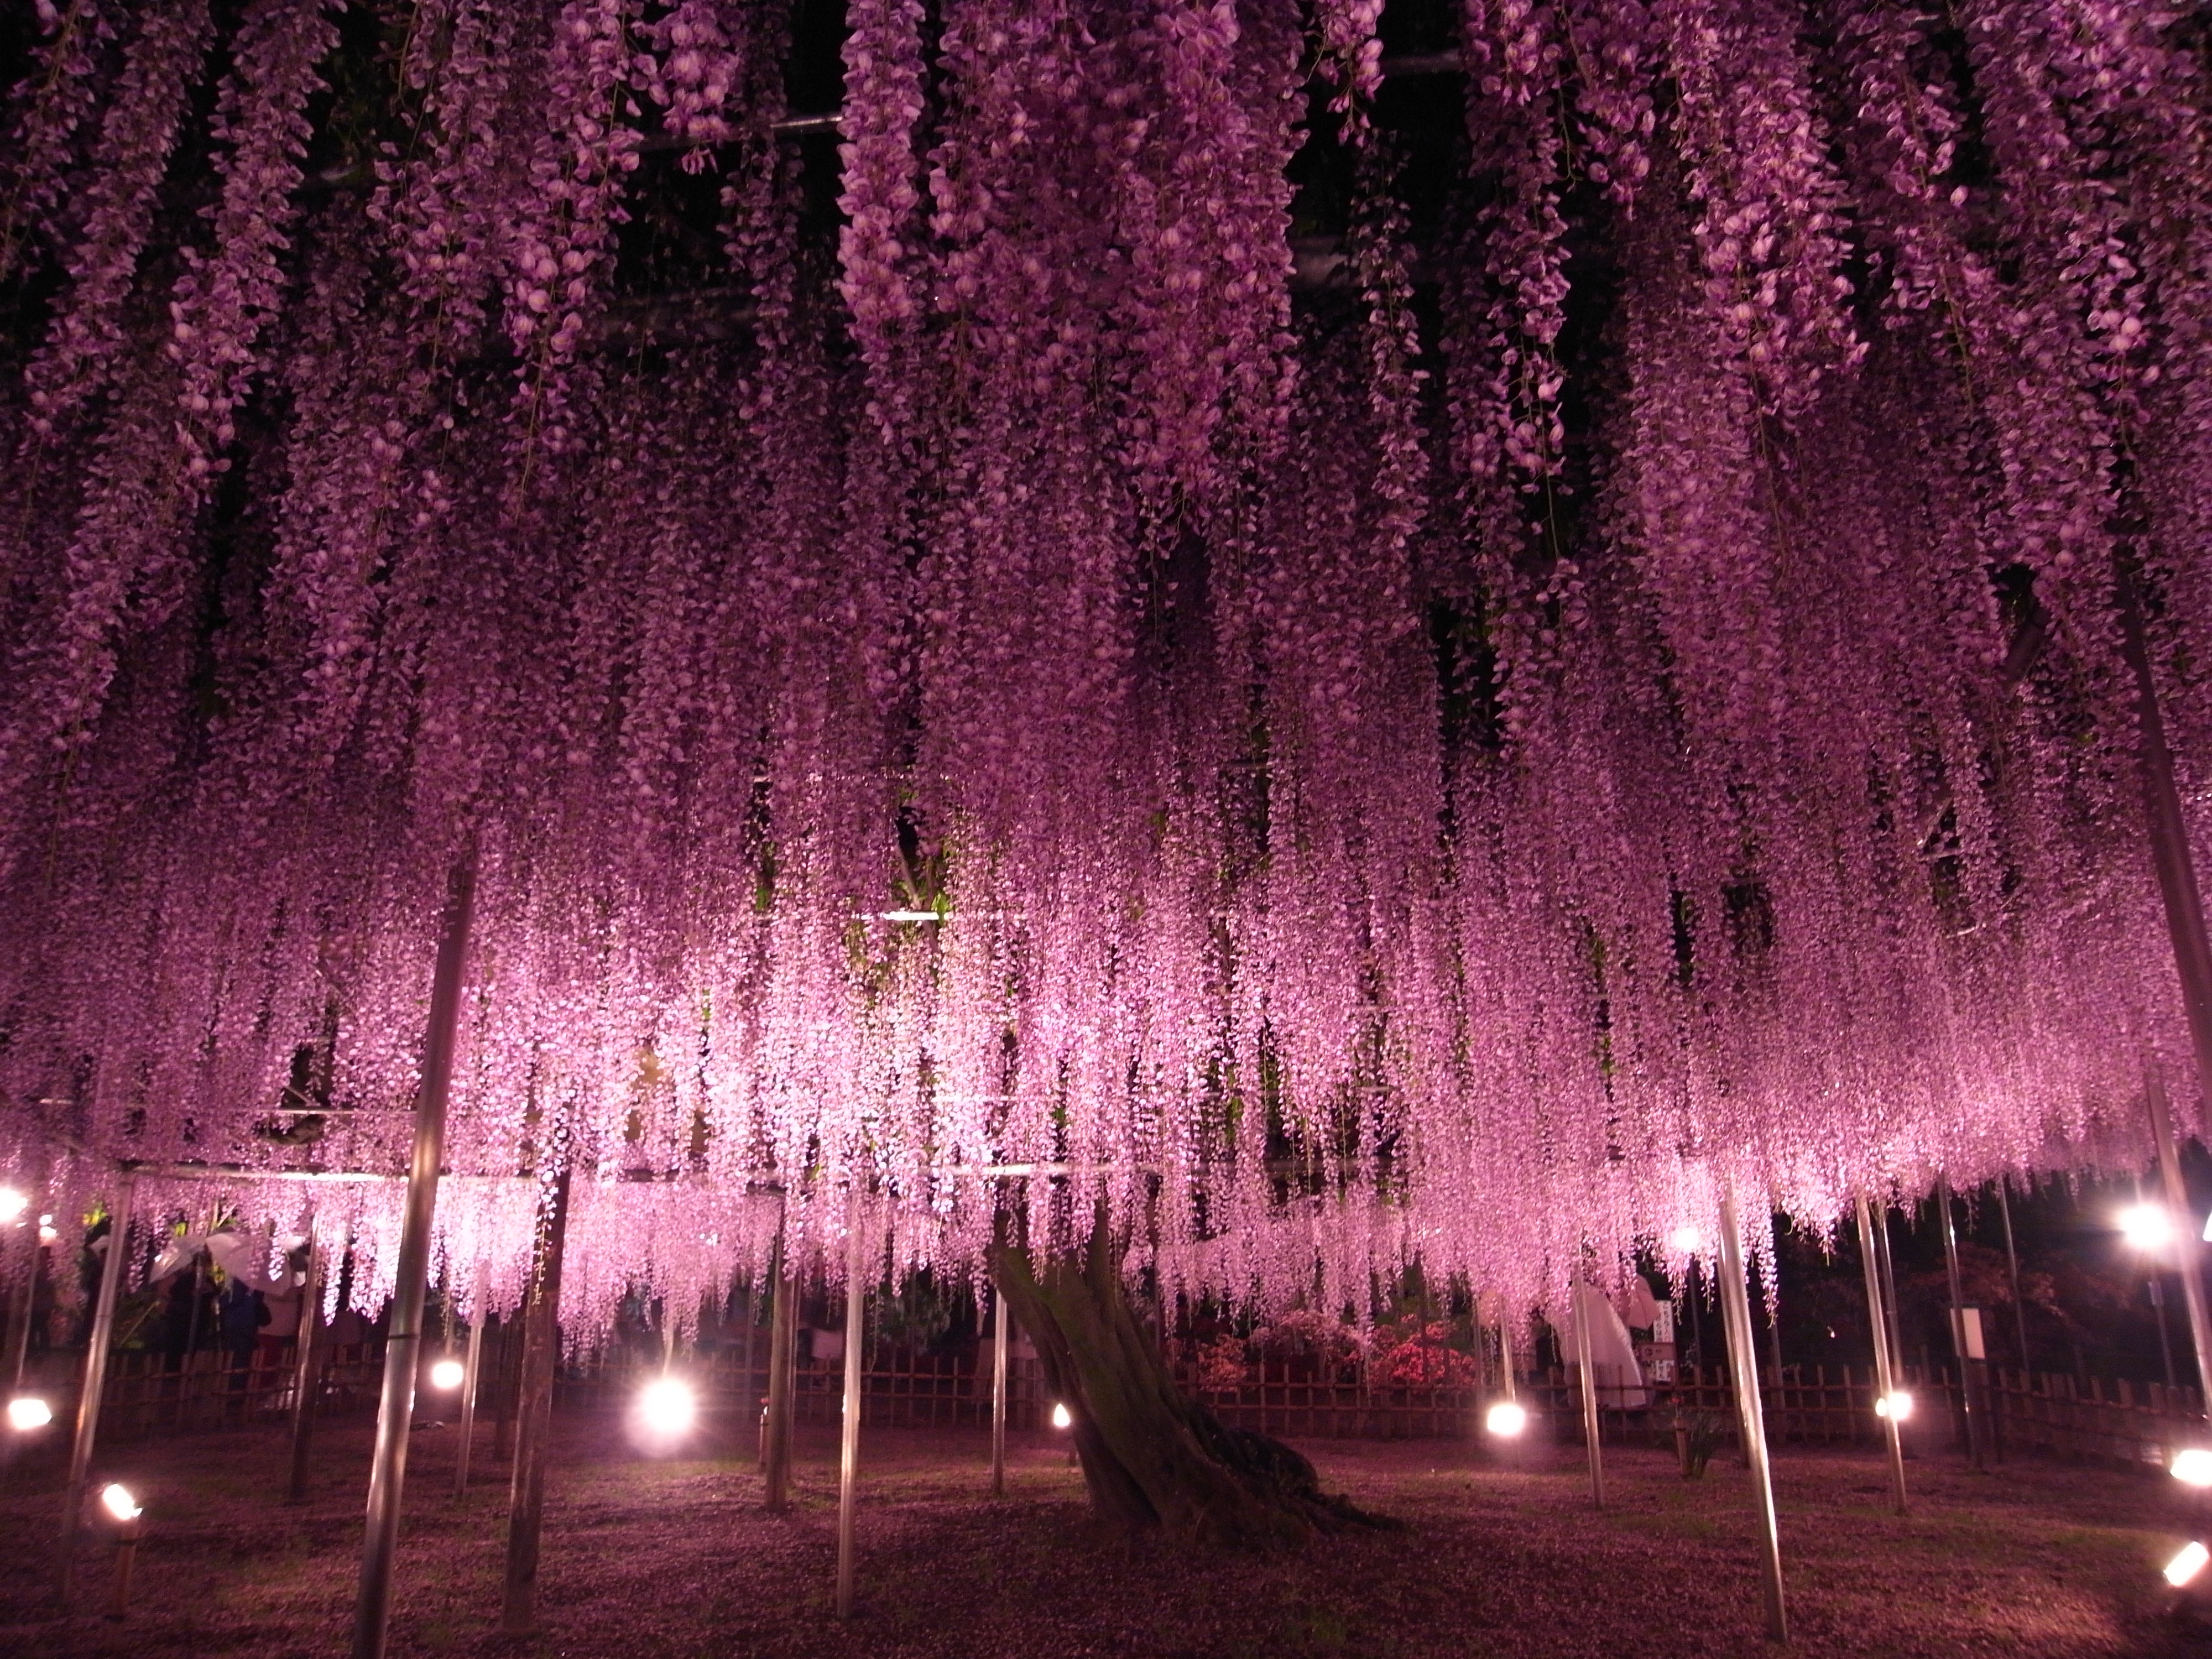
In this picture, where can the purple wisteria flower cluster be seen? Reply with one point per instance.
(1168, 643)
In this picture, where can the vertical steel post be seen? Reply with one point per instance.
(19, 1312)
(1966, 1407)
(999, 1345)
(402, 1342)
(2188, 1242)
(1505, 1351)
(1878, 1318)
(304, 1379)
(472, 1369)
(2012, 1268)
(2169, 838)
(782, 1380)
(1579, 1298)
(848, 1450)
(1735, 1314)
(114, 1264)
(1881, 1253)
(533, 1412)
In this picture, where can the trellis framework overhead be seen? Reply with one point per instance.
(1363, 663)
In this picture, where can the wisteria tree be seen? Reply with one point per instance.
(1341, 635)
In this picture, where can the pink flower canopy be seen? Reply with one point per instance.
(1101, 625)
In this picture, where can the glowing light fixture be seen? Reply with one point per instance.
(2146, 1226)
(2187, 1564)
(667, 1408)
(26, 1412)
(46, 1233)
(1687, 1240)
(909, 916)
(12, 1204)
(2192, 1467)
(1896, 1405)
(115, 1498)
(1506, 1419)
(447, 1374)
(1060, 1420)
(2208, 1230)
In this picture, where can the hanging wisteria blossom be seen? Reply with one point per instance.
(1098, 630)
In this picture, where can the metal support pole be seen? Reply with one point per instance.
(402, 1342)
(1580, 1295)
(1505, 1351)
(541, 1353)
(1735, 1314)
(472, 1369)
(782, 1378)
(999, 1345)
(19, 1312)
(848, 1450)
(1966, 1407)
(2169, 838)
(19, 1320)
(304, 1378)
(1881, 1253)
(2012, 1268)
(114, 1264)
(2188, 1242)
(1885, 1381)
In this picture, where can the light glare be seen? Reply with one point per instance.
(1506, 1418)
(26, 1412)
(1060, 1420)
(2145, 1227)
(2187, 1564)
(2192, 1467)
(667, 1408)
(1685, 1239)
(115, 1498)
(12, 1204)
(1896, 1405)
(447, 1374)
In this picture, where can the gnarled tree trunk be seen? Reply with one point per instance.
(1151, 1457)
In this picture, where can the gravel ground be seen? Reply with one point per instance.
(645, 1559)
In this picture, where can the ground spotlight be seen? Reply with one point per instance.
(1685, 1239)
(2184, 1568)
(447, 1374)
(2192, 1467)
(664, 1413)
(1506, 1418)
(2145, 1227)
(1896, 1405)
(26, 1412)
(1060, 1420)
(115, 1498)
(12, 1204)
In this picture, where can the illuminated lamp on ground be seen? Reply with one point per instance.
(1060, 1420)
(26, 1412)
(1687, 1240)
(2145, 1227)
(1506, 1419)
(1896, 1405)
(447, 1374)
(123, 1509)
(2181, 1571)
(2192, 1467)
(663, 1415)
(12, 1205)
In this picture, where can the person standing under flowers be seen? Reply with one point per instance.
(241, 1312)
